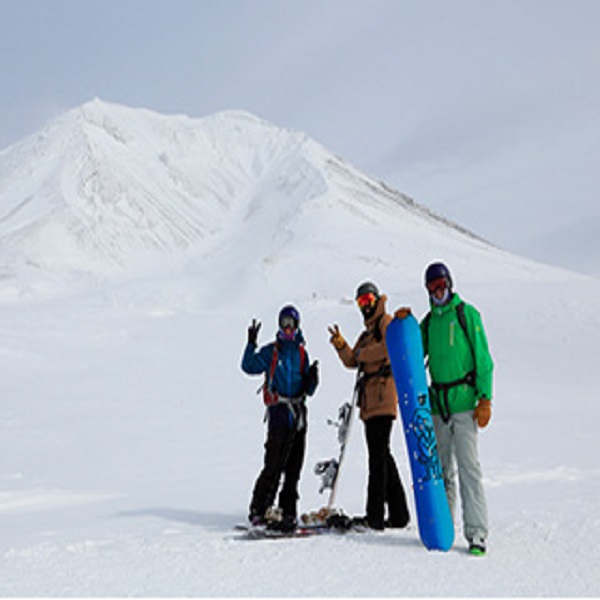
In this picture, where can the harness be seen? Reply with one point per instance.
(442, 389)
(384, 371)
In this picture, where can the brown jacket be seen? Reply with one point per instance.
(378, 396)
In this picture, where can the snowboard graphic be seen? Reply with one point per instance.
(405, 349)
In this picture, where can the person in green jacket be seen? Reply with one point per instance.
(460, 368)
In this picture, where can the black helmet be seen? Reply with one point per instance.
(287, 312)
(367, 288)
(438, 270)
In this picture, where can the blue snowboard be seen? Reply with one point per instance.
(405, 349)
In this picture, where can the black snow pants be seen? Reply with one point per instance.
(384, 484)
(284, 455)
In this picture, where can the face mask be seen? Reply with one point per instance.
(287, 334)
(441, 301)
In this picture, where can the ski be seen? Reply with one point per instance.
(262, 532)
(329, 470)
(310, 524)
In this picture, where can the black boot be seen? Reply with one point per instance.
(287, 524)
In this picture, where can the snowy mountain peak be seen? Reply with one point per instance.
(103, 181)
(104, 186)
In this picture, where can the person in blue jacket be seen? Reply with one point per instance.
(289, 379)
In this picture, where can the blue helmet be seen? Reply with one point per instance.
(438, 270)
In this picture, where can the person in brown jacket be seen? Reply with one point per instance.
(378, 403)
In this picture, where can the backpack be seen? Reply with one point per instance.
(271, 397)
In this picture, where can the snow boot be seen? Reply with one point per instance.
(477, 547)
(286, 524)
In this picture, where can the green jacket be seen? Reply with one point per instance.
(452, 356)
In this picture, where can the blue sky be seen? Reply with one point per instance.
(475, 108)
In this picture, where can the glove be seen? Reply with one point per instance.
(483, 412)
(403, 312)
(312, 377)
(253, 331)
(336, 337)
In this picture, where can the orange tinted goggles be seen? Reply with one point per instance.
(440, 283)
(368, 299)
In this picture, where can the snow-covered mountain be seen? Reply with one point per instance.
(135, 249)
(106, 187)
(107, 181)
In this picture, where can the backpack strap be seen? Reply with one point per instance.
(462, 321)
(269, 396)
(302, 357)
(274, 358)
(426, 320)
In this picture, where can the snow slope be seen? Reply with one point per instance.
(130, 439)
(106, 189)
(105, 181)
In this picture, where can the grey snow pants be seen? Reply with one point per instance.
(458, 452)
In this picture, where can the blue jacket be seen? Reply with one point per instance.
(288, 379)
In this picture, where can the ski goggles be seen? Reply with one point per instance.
(287, 322)
(439, 283)
(366, 300)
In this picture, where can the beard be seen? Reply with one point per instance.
(368, 311)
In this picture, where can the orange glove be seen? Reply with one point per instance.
(483, 412)
(403, 312)
(336, 337)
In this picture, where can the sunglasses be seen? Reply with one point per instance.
(365, 300)
(440, 283)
